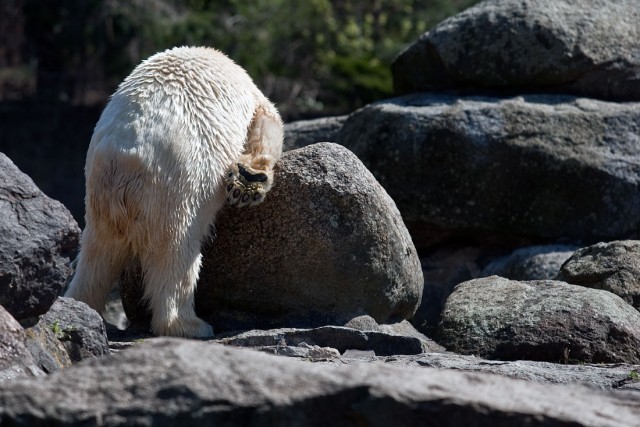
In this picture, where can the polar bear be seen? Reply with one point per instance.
(186, 132)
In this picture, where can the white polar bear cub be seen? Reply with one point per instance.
(187, 130)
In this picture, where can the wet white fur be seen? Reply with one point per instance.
(155, 177)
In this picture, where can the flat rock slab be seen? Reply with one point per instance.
(544, 320)
(589, 48)
(339, 338)
(537, 166)
(616, 376)
(363, 334)
(167, 381)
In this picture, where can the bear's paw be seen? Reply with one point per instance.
(246, 186)
(185, 326)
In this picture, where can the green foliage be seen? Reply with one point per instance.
(60, 332)
(313, 57)
(55, 328)
(317, 56)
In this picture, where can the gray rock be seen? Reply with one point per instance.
(617, 376)
(47, 350)
(170, 381)
(326, 245)
(302, 350)
(531, 263)
(363, 323)
(541, 320)
(588, 48)
(15, 359)
(612, 266)
(443, 269)
(537, 166)
(449, 264)
(301, 133)
(39, 236)
(383, 343)
(79, 328)
(367, 324)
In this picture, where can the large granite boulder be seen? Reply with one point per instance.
(328, 244)
(170, 382)
(39, 236)
(612, 266)
(540, 166)
(587, 47)
(541, 320)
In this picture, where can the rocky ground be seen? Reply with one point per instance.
(464, 254)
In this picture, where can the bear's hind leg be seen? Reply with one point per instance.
(251, 177)
(170, 281)
(100, 262)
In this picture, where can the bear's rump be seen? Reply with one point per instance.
(115, 187)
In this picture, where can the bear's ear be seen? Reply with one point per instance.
(266, 133)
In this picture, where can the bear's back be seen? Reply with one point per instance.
(200, 72)
(183, 104)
